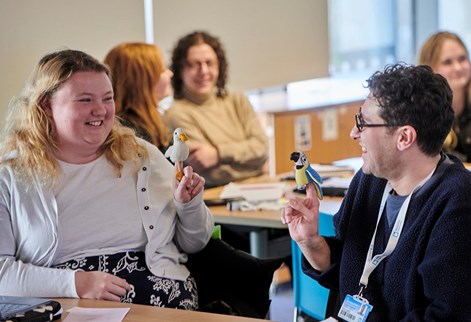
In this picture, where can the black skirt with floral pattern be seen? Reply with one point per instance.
(146, 288)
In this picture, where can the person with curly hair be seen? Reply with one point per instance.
(448, 56)
(227, 142)
(87, 209)
(402, 231)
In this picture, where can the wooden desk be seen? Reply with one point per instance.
(259, 218)
(145, 313)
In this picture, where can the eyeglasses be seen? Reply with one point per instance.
(197, 65)
(361, 125)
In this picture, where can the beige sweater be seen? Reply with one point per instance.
(229, 124)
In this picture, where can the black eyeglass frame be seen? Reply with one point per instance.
(361, 125)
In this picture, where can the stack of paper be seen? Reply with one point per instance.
(330, 170)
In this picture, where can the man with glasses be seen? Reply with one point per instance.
(226, 140)
(402, 232)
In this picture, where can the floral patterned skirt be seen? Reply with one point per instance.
(146, 287)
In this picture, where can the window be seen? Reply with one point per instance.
(362, 35)
(453, 15)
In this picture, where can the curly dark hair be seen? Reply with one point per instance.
(179, 56)
(415, 96)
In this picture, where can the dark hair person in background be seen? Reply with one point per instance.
(402, 231)
(227, 142)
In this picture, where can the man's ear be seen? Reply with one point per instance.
(407, 135)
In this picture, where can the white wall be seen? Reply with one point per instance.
(32, 28)
(268, 42)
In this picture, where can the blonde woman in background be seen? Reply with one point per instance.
(140, 80)
(447, 54)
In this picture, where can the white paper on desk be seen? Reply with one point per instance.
(80, 314)
(255, 192)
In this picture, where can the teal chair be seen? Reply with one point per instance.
(309, 296)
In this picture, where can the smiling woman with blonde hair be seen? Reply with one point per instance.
(87, 209)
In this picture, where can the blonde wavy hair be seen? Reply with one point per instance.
(136, 69)
(429, 54)
(29, 138)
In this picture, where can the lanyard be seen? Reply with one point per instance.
(372, 263)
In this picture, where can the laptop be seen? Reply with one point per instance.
(12, 305)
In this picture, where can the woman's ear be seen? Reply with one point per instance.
(407, 136)
(46, 105)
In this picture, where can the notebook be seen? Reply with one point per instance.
(12, 305)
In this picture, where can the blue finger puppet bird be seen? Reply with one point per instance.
(305, 173)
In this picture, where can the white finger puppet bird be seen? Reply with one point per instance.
(305, 173)
(179, 151)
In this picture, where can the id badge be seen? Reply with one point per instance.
(355, 309)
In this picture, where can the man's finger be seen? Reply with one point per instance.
(298, 205)
(311, 191)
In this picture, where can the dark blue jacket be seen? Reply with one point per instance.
(428, 276)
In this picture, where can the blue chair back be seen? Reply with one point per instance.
(309, 296)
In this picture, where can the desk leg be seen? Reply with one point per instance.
(259, 243)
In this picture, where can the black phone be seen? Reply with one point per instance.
(328, 191)
(221, 201)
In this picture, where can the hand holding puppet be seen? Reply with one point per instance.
(179, 151)
(305, 174)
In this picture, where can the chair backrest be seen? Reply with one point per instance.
(309, 296)
(231, 281)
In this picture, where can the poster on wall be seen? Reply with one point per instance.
(330, 125)
(302, 133)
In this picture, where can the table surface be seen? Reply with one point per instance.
(260, 218)
(145, 313)
(256, 218)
